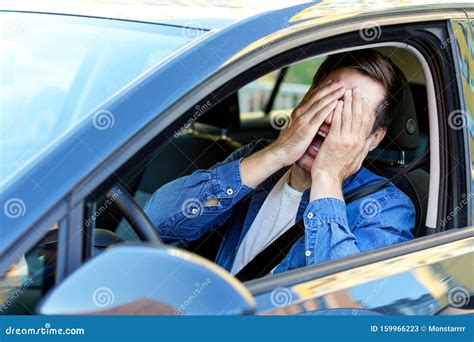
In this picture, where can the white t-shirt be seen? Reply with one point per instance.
(277, 215)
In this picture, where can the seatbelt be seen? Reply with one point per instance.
(274, 253)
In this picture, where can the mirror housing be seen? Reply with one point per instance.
(146, 280)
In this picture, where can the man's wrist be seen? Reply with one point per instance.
(325, 185)
(258, 167)
(276, 157)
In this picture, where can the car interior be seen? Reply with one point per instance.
(250, 113)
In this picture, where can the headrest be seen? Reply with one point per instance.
(403, 133)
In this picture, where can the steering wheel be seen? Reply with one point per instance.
(134, 214)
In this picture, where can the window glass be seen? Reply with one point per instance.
(254, 96)
(55, 70)
(464, 118)
(469, 92)
(28, 279)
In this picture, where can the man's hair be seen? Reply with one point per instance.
(379, 68)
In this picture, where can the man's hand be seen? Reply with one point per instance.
(306, 119)
(293, 141)
(344, 148)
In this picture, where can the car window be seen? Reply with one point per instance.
(460, 119)
(49, 85)
(30, 277)
(254, 96)
(157, 177)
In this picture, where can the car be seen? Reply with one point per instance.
(103, 104)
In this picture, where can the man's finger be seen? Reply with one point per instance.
(319, 105)
(312, 91)
(357, 114)
(328, 89)
(316, 95)
(336, 119)
(318, 119)
(347, 113)
(316, 88)
(366, 120)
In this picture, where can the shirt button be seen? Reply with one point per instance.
(229, 191)
(308, 253)
(194, 211)
(310, 215)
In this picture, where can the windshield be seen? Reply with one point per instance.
(55, 69)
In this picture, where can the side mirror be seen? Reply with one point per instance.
(146, 280)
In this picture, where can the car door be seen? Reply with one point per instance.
(423, 276)
(428, 276)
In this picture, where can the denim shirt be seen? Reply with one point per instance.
(332, 228)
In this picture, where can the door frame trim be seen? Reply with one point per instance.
(309, 273)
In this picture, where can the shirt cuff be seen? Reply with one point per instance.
(324, 211)
(229, 180)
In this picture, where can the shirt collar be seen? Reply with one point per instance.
(350, 179)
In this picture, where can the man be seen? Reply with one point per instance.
(303, 174)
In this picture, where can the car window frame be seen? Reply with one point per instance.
(466, 95)
(180, 118)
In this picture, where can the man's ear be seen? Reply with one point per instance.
(376, 138)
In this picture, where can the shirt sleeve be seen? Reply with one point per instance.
(381, 220)
(178, 210)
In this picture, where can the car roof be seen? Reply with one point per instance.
(213, 14)
(236, 34)
(203, 14)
